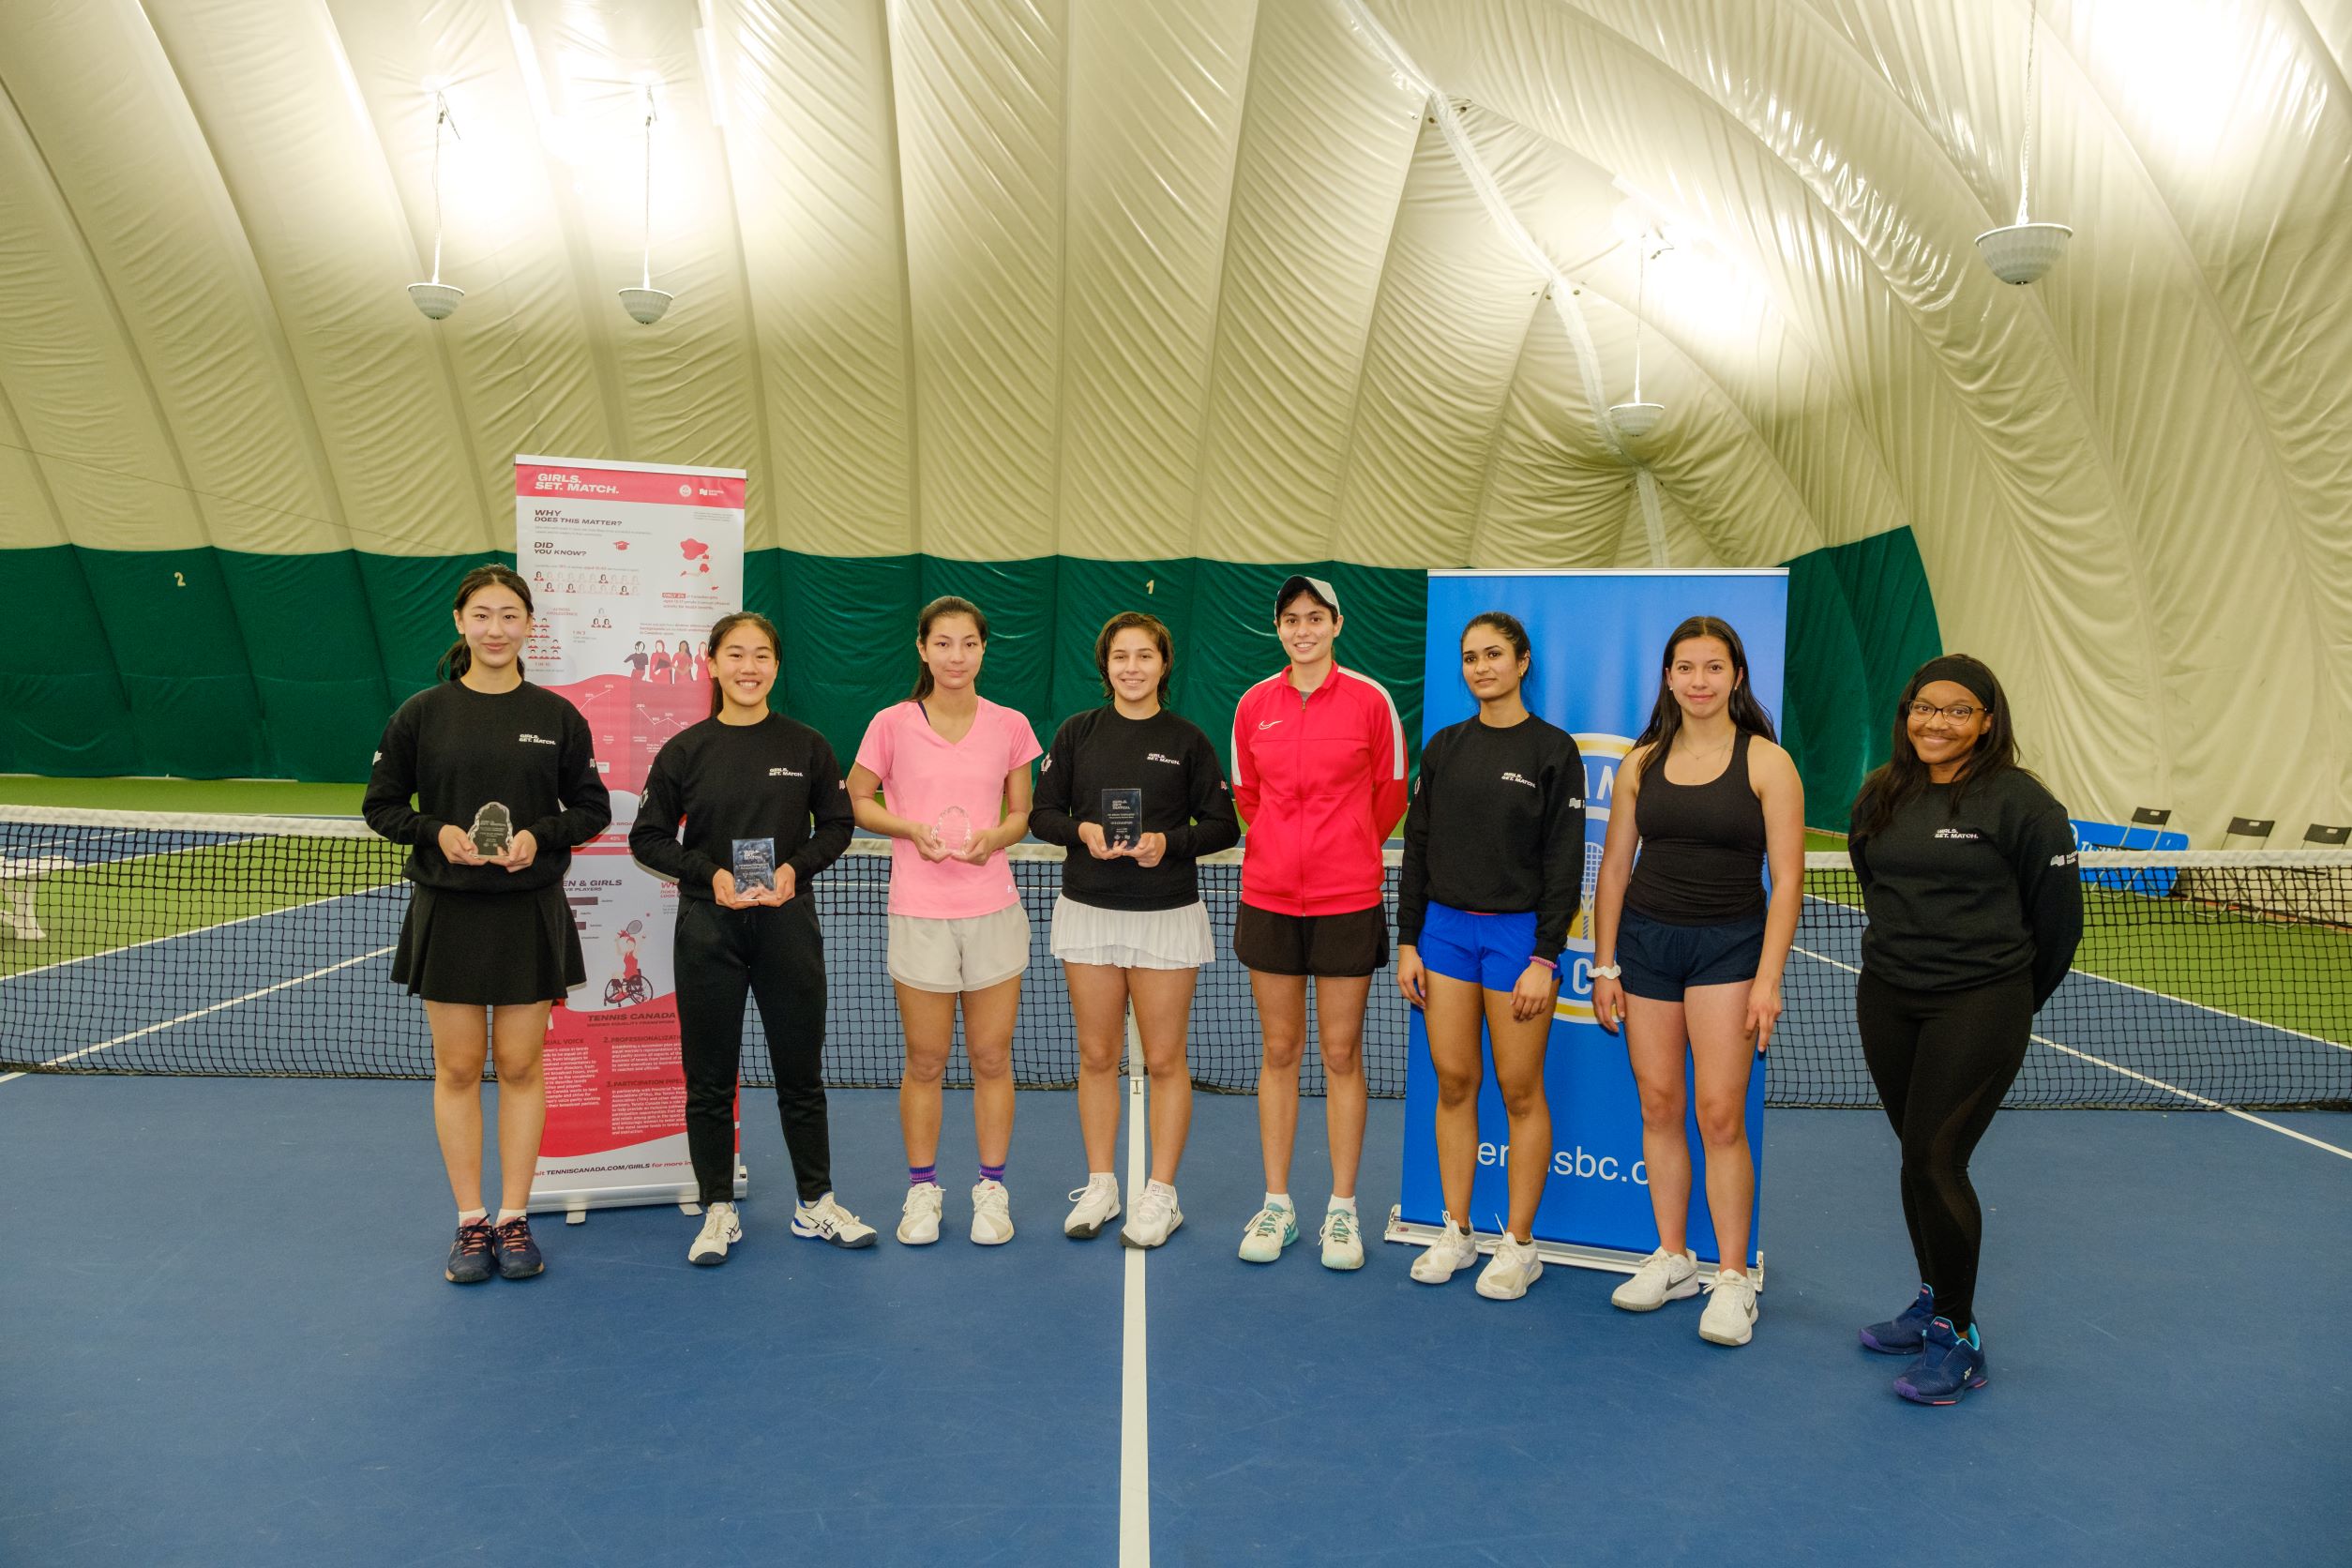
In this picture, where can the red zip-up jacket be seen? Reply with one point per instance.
(1321, 781)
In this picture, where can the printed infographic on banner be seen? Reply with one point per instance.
(1598, 642)
(630, 563)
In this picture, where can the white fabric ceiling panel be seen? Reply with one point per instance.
(980, 98)
(812, 150)
(298, 158)
(1155, 117)
(1327, 138)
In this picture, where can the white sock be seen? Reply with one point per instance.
(1277, 1200)
(506, 1214)
(472, 1216)
(1167, 1187)
(1101, 1179)
(1347, 1204)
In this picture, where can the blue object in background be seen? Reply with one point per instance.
(1598, 640)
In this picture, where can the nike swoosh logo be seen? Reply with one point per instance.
(1268, 723)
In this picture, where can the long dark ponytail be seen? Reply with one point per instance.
(1903, 778)
(489, 574)
(718, 635)
(946, 604)
(1665, 715)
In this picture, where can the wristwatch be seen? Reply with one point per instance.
(1608, 972)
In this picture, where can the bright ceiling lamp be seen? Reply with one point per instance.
(2024, 251)
(1637, 419)
(433, 297)
(643, 302)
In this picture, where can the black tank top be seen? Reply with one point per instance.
(1702, 847)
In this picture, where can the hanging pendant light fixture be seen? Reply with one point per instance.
(2023, 252)
(644, 303)
(1637, 419)
(435, 298)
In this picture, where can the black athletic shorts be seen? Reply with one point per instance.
(1333, 947)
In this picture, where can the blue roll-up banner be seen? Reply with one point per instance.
(1598, 638)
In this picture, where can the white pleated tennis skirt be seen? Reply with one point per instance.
(1132, 938)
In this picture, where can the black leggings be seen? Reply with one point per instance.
(777, 956)
(1942, 1061)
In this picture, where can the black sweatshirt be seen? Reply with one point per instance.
(457, 749)
(731, 781)
(1184, 796)
(1972, 897)
(1497, 825)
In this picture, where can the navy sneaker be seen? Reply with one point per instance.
(1951, 1364)
(517, 1254)
(1904, 1336)
(470, 1255)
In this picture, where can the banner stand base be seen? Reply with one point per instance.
(1610, 1259)
(574, 1205)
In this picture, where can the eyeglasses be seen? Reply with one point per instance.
(1959, 713)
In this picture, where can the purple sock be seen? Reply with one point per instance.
(923, 1175)
(992, 1173)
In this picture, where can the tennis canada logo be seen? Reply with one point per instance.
(782, 772)
(1957, 832)
(1162, 756)
(527, 738)
(1520, 778)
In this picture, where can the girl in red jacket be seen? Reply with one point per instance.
(1319, 774)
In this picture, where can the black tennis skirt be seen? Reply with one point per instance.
(488, 949)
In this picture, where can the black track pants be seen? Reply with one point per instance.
(776, 956)
(1942, 1061)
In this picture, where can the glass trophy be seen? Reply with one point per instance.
(1123, 818)
(755, 865)
(493, 830)
(954, 828)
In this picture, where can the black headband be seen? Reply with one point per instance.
(1960, 669)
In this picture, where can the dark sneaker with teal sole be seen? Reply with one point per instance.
(1949, 1365)
(517, 1254)
(470, 1255)
(1904, 1336)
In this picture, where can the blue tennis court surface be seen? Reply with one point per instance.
(228, 1342)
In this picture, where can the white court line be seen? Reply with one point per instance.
(206, 1012)
(1134, 1426)
(2142, 1077)
(195, 931)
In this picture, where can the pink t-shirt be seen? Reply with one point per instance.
(923, 774)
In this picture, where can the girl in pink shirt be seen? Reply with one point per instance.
(954, 768)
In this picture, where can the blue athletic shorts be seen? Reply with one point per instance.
(1662, 961)
(1489, 950)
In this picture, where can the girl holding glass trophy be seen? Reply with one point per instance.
(1136, 795)
(954, 769)
(766, 810)
(489, 941)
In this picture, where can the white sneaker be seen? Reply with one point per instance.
(1097, 1205)
(1663, 1277)
(918, 1226)
(826, 1220)
(1155, 1217)
(1731, 1314)
(1447, 1256)
(991, 1214)
(1343, 1246)
(1514, 1267)
(1271, 1228)
(720, 1229)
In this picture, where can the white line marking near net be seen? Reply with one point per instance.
(196, 931)
(2139, 1077)
(1135, 1426)
(208, 1011)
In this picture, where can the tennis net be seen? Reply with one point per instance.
(137, 942)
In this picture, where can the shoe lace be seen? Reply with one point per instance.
(516, 1234)
(1338, 1225)
(1269, 1221)
(1736, 1283)
(475, 1237)
(1153, 1205)
(991, 1197)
